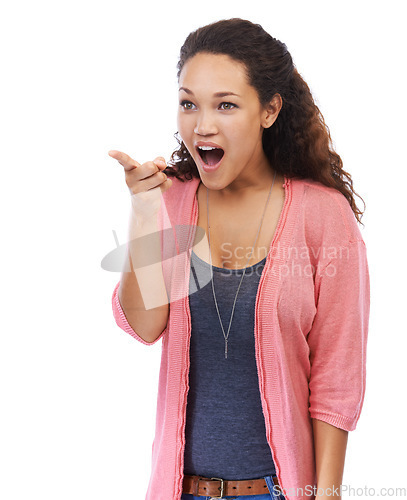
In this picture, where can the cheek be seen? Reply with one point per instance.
(184, 125)
(179, 122)
(185, 130)
(241, 132)
(249, 129)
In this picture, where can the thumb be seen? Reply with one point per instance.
(160, 162)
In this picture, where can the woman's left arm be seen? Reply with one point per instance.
(330, 449)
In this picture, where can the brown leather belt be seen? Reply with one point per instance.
(216, 487)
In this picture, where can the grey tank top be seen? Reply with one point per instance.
(225, 434)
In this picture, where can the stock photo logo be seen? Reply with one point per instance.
(176, 242)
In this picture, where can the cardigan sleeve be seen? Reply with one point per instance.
(338, 338)
(122, 322)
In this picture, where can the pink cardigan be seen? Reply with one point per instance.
(311, 326)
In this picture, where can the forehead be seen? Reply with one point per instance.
(214, 72)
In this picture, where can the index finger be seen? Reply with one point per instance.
(125, 160)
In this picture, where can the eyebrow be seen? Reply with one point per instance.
(216, 94)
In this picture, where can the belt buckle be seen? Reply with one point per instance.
(221, 487)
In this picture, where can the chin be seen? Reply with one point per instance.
(215, 184)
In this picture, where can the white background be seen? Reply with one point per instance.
(78, 394)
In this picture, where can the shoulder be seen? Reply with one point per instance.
(179, 188)
(327, 215)
(179, 197)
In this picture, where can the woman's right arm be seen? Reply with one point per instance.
(142, 293)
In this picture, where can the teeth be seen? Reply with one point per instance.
(206, 148)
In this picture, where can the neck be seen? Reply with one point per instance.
(239, 191)
(250, 181)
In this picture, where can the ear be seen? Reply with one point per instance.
(271, 111)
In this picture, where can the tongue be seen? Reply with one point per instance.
(213, 156)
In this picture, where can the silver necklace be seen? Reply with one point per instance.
(226, 336)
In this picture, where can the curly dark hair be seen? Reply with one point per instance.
(299, 143)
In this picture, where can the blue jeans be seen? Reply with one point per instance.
(272, 495)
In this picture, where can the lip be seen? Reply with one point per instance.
(205, 167)
(204, 143)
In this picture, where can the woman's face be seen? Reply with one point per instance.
(232, 123)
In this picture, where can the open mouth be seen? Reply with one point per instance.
(210, 156)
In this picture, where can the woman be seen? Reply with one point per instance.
(264, 327)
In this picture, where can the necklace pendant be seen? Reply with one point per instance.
(247, 263)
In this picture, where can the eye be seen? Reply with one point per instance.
(229, 105)
(186, 105)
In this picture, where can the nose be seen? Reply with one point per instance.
(205, 125)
